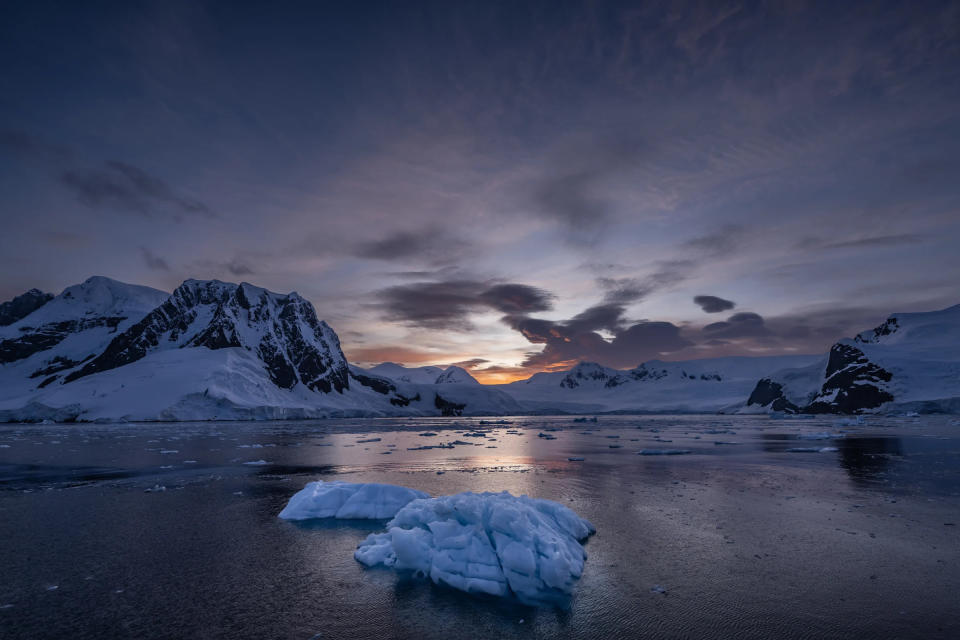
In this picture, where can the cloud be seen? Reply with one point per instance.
(390, 353)
(573, 192)
(517, 298)
(713, 304)
(716, 244)
(740, 325)
(576, 339)
(472, 363)
(862, 242)
(629, 347)
(449, 304)
(239, 268)
(430, 244)
(153, 261)
(124, 187)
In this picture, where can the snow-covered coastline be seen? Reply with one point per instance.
(114, 352)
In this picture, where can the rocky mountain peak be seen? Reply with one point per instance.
(281, 329)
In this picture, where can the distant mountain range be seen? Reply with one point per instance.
(106, 350)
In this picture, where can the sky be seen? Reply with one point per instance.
(510, 186)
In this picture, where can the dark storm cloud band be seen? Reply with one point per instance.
(449, 304)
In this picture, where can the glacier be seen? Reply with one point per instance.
(348, 500)
(486, 543)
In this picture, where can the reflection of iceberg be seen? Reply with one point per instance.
(492, 543)
(348, 500)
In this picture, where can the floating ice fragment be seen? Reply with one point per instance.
(348, 500)
(256, 463)
(664, 452)
(491, 543)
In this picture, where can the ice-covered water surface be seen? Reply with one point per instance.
(162, 530)
(492, 543)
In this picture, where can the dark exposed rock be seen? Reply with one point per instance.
(380, 385)
(852, 383)
(402, 401)
(22, 306)
(58, 364)
(33, 340)
(890, 326)
(448, 408)
(294, 345)
(770, 394)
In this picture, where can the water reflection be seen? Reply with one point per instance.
(868, 460)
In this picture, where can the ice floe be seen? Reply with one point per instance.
(490, 543)
(348, 500)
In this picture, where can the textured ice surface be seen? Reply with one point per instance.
(348, 500)
(492, 543)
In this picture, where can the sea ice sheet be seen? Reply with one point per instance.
(492, 543)
(348, 500)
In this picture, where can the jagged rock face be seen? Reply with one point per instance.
(50, 335)
(771, 394)
(22, 306)
(587, 372)
(891, 326)
(852, 383)
(283, 330)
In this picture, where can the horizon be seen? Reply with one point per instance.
(496, 378)
(508, 188)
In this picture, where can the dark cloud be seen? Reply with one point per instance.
(578, 339)
(449, 304)
(629, 347)
(517, 298)
(432, 244)
(627, 290)
(472, 363)
(153, 261)
(713, 304)
(740, 325)
(124, 187)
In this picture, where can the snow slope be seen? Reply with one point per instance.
(423, 375)
(910, 362)
(709, 385)
(73, 327)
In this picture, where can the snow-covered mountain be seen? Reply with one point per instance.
(22, 306)
(211, 350)
(72, 328)
(910, 362)
(712, 384)
(423, 375)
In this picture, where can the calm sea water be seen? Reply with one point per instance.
(746, 538)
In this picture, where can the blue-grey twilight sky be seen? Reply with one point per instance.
(512, 185)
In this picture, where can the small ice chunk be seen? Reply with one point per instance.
(490, 543)
(664, 452)
(348, 500)
(256, 463)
